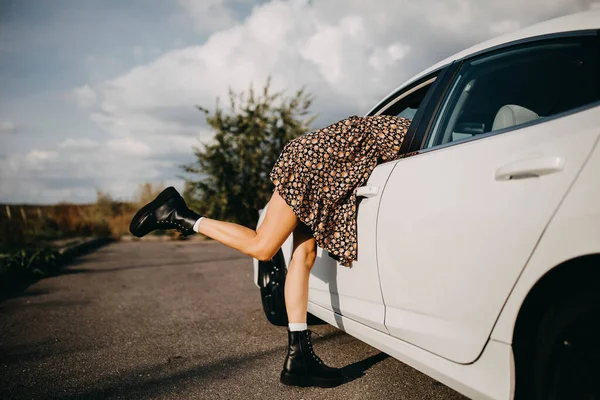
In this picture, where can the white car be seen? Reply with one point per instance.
(479, 256)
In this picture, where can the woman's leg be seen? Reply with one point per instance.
(296, 281)
(302, 367)
(261, 244)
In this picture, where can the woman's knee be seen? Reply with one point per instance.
(263, 251)
(305, 254)
(263, 254)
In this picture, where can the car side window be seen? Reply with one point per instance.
(407, 103)
(516, 86)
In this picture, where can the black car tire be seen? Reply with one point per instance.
(566, 358)
(271, 280)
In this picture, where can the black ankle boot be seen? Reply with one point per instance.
(302, 367)
(167, 211)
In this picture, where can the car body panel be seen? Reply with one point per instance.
(453, 239)
(354, 292)
(492, 377)
(577, 219)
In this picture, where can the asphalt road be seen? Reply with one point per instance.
(172, 320)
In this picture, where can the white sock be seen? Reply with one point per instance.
(197, 224)
(294, 326)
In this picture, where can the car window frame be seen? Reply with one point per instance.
(437, 76)
(423, 135)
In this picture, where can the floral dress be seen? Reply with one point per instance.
(318, 173)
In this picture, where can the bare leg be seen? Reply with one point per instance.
(296, 281)
(302, 367)
(261, 244)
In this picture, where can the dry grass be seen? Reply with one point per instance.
(23, 225)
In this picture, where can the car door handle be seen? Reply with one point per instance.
(367, 191)
(530, 168)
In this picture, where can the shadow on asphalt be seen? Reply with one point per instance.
(354, 371)
(38, 352)
(311, 320)
(71, 271)
(19, 289)
(46, 304)
(69, 256)
(162, 378)
(34, 293)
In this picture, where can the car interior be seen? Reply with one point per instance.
(516, 87)
(407, 105)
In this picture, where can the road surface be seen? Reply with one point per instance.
(172, 320)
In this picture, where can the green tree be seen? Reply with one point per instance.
(230, 178)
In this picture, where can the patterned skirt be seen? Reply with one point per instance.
(317, 174)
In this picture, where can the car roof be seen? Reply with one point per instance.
(575, 22)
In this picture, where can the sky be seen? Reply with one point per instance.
(100, 95)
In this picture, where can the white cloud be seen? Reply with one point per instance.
(129, 146)
(211, 15)
(8, 127)
(382, 58)
(397, 51)
(85, 96)
(79, 144)
(450, 15)
(38, 158)
(76, 169)
(504, 26)
(348, 53)
(330, 47)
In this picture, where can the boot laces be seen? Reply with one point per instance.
(173, 225)
(310, 348)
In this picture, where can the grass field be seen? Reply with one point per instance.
(33, 237)
(26, 225)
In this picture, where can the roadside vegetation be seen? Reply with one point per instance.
(37, 240)
(229, 180)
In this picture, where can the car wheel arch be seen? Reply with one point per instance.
(576, 274)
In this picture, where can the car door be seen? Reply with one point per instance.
(356, 292)
(458, 222)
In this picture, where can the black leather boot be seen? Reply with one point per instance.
(167, 211)
(302, 367)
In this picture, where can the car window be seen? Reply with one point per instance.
(408, 102)
(517, 86)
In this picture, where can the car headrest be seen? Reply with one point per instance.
(510, 115)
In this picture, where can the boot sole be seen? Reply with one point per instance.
(140, 217)
(306, 381)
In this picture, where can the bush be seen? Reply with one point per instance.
(27, 264)
(230, 178)
(12, 233)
